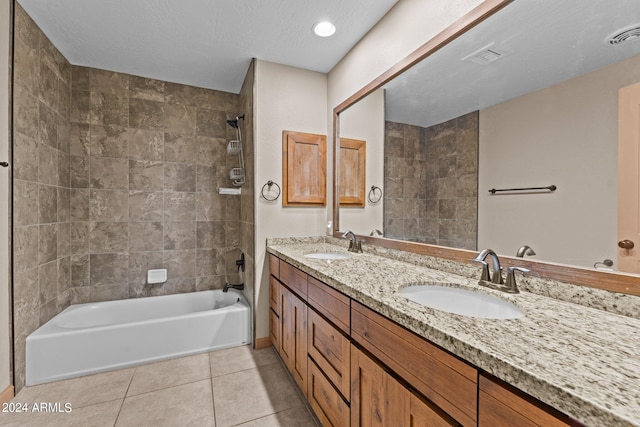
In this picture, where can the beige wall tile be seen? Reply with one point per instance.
(145, 236)
(143, 88)
(146, 206)
(179, 206)
(146, 175)
(180, 235)
(109, 141)
(145, 114)
(109, 173)
(108, 237)
(146, 144)
(109, 205)
(179, 177)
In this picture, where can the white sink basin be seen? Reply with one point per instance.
(461, 301)
(328, 256)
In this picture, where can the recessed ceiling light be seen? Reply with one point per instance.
(324, 29)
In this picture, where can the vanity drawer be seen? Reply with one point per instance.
(274, 296)
(330, 303)
(500, 406)
(274, 266)
(325, 400)
(444, 379)
(330, 350)
(295, 279)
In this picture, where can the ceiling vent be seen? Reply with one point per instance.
(484, 55)
(630, 34)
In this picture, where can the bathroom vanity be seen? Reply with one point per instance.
(364, 355)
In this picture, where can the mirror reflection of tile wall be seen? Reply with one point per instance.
(431, 181)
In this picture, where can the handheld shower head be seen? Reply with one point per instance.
(234, 123)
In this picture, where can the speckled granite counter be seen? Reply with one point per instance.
(583, 361)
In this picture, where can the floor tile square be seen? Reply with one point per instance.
(169, 373)
(239, 359)
(254, 393)
(183, 405)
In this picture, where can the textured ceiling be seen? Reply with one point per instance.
(543, 42)
(206, 43)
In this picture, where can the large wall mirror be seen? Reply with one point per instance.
(539, 94)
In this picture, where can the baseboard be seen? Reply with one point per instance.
(7, 394)
(263, 343)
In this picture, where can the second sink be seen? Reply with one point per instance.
(461, 301)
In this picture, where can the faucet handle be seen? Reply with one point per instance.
(512, 287)
(485, 269)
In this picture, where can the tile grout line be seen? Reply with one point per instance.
(213, 397)
(125, 397)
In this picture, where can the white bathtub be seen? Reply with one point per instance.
(98, 337)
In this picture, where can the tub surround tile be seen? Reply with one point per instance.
(108, 269)
(210, 207)
(179, 177)
(208, 283)
(109, 82)
(146, 175)
(557, 352)
(140, 262)
(109, 173)
(146, 144)
(64, 204)
(64, 240)
(145, 206)
(48, 238)
(48, 281)
(180, 119)
(109, 141)
(26, 302)
(188, 404)
(145, 236)
(24, 166)
(25, 247)
(47, 165)
(79, 238)
(179, 206)
(180, 235)
(47, 130)
(99, 293)
(108, 109)
(180, 148)
(145, 114)
(180, 263)
(179, 286)
(109, 205)
(210, 234)
(108, 237)
(144, 88)
(48, 204)
(80, 106)
(25, 202)
(79, 172)
(25, 110)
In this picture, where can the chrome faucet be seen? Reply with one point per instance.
(355, 245)
(496, 277)
(376, 232)
(524, 250)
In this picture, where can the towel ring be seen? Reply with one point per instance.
(268, 186)
(375, 194)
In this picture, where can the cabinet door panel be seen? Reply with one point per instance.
(274, 296)
(377, 399)
(423, 414)
(294, 337)
(330, 303)
(330, 349)
(325, 400)
(275, 329)
(274, 266)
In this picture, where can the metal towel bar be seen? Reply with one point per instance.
(550, 188)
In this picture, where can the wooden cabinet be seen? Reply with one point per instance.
(329, 406)
(293, 340)
(378, 399)
(501, 405)
(441, 377)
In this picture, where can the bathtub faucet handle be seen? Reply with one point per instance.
(240, 262)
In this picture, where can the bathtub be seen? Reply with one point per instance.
(96, 337)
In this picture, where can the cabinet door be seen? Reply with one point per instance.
(425, 414)
(377, 399)
(274, 295)
(293, 340)
(330, 350)
(326, 402)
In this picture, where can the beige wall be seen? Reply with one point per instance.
(286, 98)
(366, 121)
(407, 26)
(565, 135)
(5, 311)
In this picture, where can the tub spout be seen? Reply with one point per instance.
(227, 286)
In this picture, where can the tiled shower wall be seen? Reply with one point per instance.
(41, 249)
(147, 159)
(113, 175)
(431, 182)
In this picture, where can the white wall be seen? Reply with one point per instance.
(365, 120)
(565, 135)
(286, 98)
(5, 349)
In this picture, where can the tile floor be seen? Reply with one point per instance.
(232, 387)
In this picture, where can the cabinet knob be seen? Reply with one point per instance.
(626, 244)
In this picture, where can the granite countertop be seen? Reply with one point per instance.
(583, 361)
